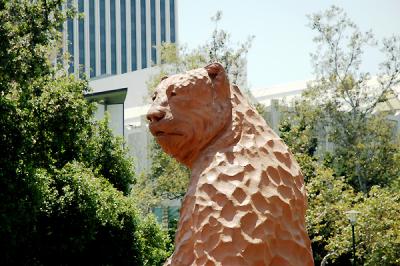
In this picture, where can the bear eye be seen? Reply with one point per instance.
(171, 91)
(153, 97)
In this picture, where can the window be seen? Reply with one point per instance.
(113, 38)
(162, 18)
(70, 37)
(172, 19)
(111, 101)
(81, 28)
(92, 39)
(123, 36)
(133, 35)
(143, 32)
(103, 61)
(153, 31)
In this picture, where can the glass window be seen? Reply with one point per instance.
(162, 18)
(133, 35)
(172, 19)
(153, 31)
(81, 28)
(111, 101)
(70, 37)
(123, 36)
(143, 32)
(103, 61)
(92, 38)
(113, 38)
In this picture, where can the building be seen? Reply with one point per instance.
(118, 36)
(115, 44)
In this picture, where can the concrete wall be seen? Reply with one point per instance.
(136, 82)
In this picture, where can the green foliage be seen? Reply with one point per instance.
(370, 159)
(377, 229)
(347, 98)
(298, 128)
(29, 34)
(155, 242)
(87, 221)
(167, 180)
(162, 169)
(365, 154)
(328, 199)
(63, 176)
(58, 185)
(261, 109)
(57, 120)
(379, 233)
(144, 193)
(82, 219)
(110, 158)
(346, 146)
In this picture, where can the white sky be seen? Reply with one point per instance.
(283, 42)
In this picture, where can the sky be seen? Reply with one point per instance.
(280, 52)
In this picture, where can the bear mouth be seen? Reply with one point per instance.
(160, 133)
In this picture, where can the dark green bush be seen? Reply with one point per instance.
(64, 178)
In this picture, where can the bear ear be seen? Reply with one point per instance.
(218, 77)
(214, 69)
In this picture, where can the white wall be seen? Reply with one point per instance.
(134, 81)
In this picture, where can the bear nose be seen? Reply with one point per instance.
(154, 115)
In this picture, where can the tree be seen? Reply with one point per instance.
(377, 229)
(167, 180)
(111, 161)
(345, 107)
(345, 101)
(328, 199)
(63, 176)
(357, 134)
(232, 58)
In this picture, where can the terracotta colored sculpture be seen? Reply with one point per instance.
(246, 201)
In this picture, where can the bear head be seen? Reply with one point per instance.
(189, 110)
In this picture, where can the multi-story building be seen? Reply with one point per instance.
(115, 43)
(118, 36)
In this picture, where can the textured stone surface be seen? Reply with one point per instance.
(246, 201)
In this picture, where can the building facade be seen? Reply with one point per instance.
(114, 37)
(115, 44)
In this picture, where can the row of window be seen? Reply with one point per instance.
(100, 35)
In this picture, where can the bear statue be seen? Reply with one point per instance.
(246, 200)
